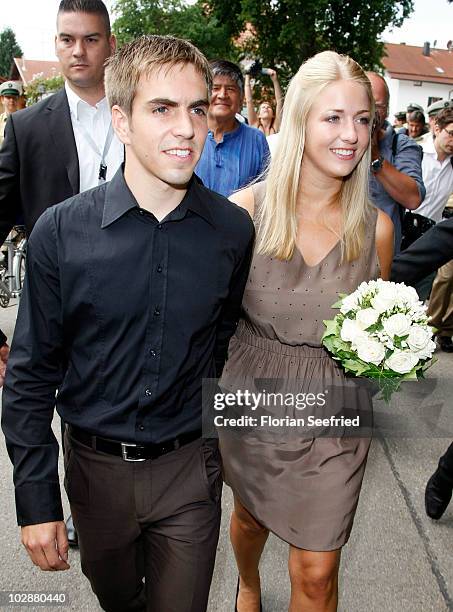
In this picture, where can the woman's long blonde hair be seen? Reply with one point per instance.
(277, 222)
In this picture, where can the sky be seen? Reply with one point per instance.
(33, 22)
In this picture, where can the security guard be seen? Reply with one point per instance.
(9, 93)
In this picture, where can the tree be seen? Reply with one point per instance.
(41, 86)
(286, 32)
(194, 22)
(9, 49)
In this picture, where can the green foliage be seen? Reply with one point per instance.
(9, 49)
(195, 22)
(290, 31)
(40, 86)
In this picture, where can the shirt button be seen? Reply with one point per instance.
(142, 212)
(159, 269)
(159, 226)
(156, 312)
(152, 353)
(148, 392)
(141, 427)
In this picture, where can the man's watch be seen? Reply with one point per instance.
(376, 164)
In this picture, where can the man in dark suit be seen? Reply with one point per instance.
(425, 255)
(64, 144)
(39, 159)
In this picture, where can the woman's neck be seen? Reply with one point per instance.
(266, 125)
(317, 192)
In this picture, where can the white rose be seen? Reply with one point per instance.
(386, 297)
(401, 361)
(427, 351)
(349, 303)
(418, 337)
(397, 325)
(366, 317)
(350, 330)
(408, 294)
(370, 351)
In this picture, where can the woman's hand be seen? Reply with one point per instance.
(272, 73)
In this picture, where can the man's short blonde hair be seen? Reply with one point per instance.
(143, 56)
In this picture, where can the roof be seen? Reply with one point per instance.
(408, 63)
(26, 70)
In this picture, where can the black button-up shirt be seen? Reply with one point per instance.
(123, 316)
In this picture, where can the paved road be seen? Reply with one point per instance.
(396, 561)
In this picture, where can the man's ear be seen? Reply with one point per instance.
(120, 123)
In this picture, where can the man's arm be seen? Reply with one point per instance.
(33, 376)
(232, 308)
(9, 181)
(425, 255)
(402, 180)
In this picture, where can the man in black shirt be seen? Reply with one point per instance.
(133, 290)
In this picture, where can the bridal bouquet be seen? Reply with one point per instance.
(381, 332)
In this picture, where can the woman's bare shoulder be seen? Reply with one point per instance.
(244, 198)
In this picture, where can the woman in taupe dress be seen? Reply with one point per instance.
(317, 236)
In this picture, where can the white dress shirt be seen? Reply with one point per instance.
(438, 179)
(94, 120)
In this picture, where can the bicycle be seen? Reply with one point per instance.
(12, 271)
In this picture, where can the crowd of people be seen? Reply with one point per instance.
(122, 180)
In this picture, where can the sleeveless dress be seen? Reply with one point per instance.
(304, 489)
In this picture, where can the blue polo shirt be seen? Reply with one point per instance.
(408, 160)
(235, 161)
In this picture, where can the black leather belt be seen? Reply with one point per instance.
(130, 451)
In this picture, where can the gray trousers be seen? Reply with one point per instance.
(148, 530)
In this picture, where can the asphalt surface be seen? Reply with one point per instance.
(397, 560)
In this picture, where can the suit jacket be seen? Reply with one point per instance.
(425, 255)
(39, 165)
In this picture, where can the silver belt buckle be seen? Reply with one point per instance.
(124, 447)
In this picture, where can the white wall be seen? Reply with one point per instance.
(404, 92)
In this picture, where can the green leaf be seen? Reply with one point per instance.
(331, 328)
(356, 365)
(388, 386)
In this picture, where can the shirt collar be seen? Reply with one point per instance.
(228, 135)
(428, 146)
(119, 200)
(75, 101)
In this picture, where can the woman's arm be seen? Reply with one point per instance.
(278, 99)
(384, 243)
(251, 113)
(245, 199)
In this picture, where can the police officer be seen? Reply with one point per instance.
(9, 93)
(432, 111)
